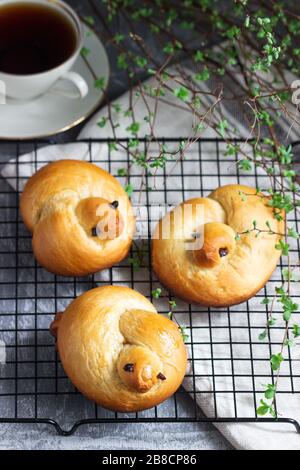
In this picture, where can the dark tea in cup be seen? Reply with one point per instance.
(34, 38)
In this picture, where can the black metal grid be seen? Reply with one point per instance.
(228, 364)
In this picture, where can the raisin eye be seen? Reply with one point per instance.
(94, 232)
(161, 376)
(114, 204)
(223, 252)
(129, 367)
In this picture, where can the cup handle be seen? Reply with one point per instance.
(78, 81)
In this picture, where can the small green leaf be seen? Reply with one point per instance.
(118, 38)
(169, 48)
(287, 315)
(135, 262)
(276, 360)
(122, 61)
(233, 32)
(89, 20)
(133, 143)
(245, 165)
(292, 233)
(222, 127)
(156, 293)
(199, 127)
(122, 172)
(289, 342)
(202, 76)
(268, 224)
(199, 56)
(247, 21)
(117, 107)
(184, 333)
(182, 93)
(133, 128)
(85, 52)
(271, 322)
(112, 146)
(263, 409)
(287, 274)
(262, 335)
(282, 246)
(102, 122)
(100, 83)
(141, 61)
(129, 190)
(270, 391)
(296, 330)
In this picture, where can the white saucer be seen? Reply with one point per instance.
(53, 113)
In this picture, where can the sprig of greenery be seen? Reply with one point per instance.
(171, 316)
(281, 205)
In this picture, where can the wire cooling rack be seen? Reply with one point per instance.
(228, 364)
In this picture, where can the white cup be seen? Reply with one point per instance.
(28, 87)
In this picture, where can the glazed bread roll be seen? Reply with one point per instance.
(118, 351)
(201, 252)
(80, 217)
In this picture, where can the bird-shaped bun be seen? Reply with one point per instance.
(80, 217)
(220, 250)
(118, 351)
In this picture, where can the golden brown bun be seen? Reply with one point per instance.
(118, 351)
(59, 206)
(225, 270)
